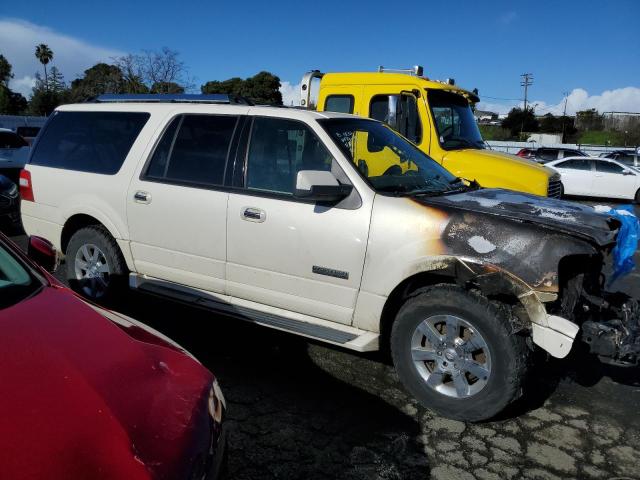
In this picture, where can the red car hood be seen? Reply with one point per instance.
(82, 399)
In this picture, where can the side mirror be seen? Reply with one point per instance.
(320, 186)
(43, 253)
(392, 115)
(628, 172)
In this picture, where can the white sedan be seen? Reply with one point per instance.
(598, 177)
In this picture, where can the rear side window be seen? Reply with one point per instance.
(608, 167)
(11, 140)
(547, 154)
(193, 150)
(339, 103)
(575, 164)
(96, 142)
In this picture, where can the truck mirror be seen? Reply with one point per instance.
(392, 115)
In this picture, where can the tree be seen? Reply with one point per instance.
(5, 71)
(133, 81)
(166, 87)
(519, 120)
(97, 80)
(163, 68)
(264, 88)
(44, 54)
(44, 100)
(11, 103)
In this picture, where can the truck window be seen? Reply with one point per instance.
(456, 126)
(193, 150)
(278, 149)
(96, 142)
(400, 112)
(339, 103)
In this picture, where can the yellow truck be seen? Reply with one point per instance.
(434, 115)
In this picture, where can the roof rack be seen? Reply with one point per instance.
(417, 70)
(219, 98)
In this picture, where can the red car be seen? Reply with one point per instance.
(90, 394)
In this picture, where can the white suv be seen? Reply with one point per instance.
(329, 226)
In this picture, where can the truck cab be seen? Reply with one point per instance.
(436, 116)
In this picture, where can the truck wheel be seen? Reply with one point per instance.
(453, 350)
(95, 266)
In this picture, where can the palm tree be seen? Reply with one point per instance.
(45, 55)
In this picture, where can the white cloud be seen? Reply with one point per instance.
(290, 94)
(625, 99)
(72, 56)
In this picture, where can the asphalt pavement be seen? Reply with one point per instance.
(298, 409)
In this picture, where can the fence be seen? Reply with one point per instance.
(514, 147)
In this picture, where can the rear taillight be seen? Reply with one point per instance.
(523, 153)
(26, 187)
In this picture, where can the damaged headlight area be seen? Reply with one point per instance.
(609, 322)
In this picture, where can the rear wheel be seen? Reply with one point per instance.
(638, 197)
(454, 351)
(95, 266)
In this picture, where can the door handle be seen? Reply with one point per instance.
(252, 214)
(142, 197)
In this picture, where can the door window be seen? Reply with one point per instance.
(339, 103)
(547, 154)
(609, 167)
(575, 165)
(280, 148)
(400, 112)
(193, 150)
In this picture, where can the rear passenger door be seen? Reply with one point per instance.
(577, 176)
(177, 205)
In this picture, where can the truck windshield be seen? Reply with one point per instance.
(387, 161)
(16, 281)
(455, 123)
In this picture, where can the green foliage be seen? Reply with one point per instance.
(11, 103)
(519, 120)
(494, 132)
(262, 88)
(44, 54)
(5, 71)
(44, 99)
(166, 87)
(99, 79)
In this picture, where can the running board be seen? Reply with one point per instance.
(348, 337)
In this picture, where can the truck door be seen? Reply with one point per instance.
(402, 112)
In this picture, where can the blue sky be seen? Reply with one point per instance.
(589, 48)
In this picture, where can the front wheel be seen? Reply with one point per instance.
(95, 266)
(454, 351)
(638, 197)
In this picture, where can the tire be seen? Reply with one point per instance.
(561, 190)
(487, 379)
(107, 281)
(638, 197)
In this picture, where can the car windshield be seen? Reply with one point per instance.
(16, 281)
(389, 162)
(457, 127)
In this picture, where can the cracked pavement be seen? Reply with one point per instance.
(298, 409)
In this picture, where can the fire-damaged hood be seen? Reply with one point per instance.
(559, 215)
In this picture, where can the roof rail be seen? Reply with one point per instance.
(220, 98)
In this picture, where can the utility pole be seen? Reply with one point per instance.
(526, 82)
(564, 113)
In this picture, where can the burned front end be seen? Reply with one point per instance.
(555, 257)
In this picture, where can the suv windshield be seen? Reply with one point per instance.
(455, 123)
(389, 162)
(16, 281)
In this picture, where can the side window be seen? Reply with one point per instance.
(193, 149)
(278, 149)
(575, 165)
(11, 140)
(400, 112)
(609, 167)
(548, 154)
(96, 142)
(339, 103)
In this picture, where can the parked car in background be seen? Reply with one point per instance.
(546, 154)
(9, 202)
(89, 393)
(28, 133)
(630, 158)
(598, 177)
(330, 226)
(14, 153)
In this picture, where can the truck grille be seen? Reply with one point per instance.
(555, 187)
